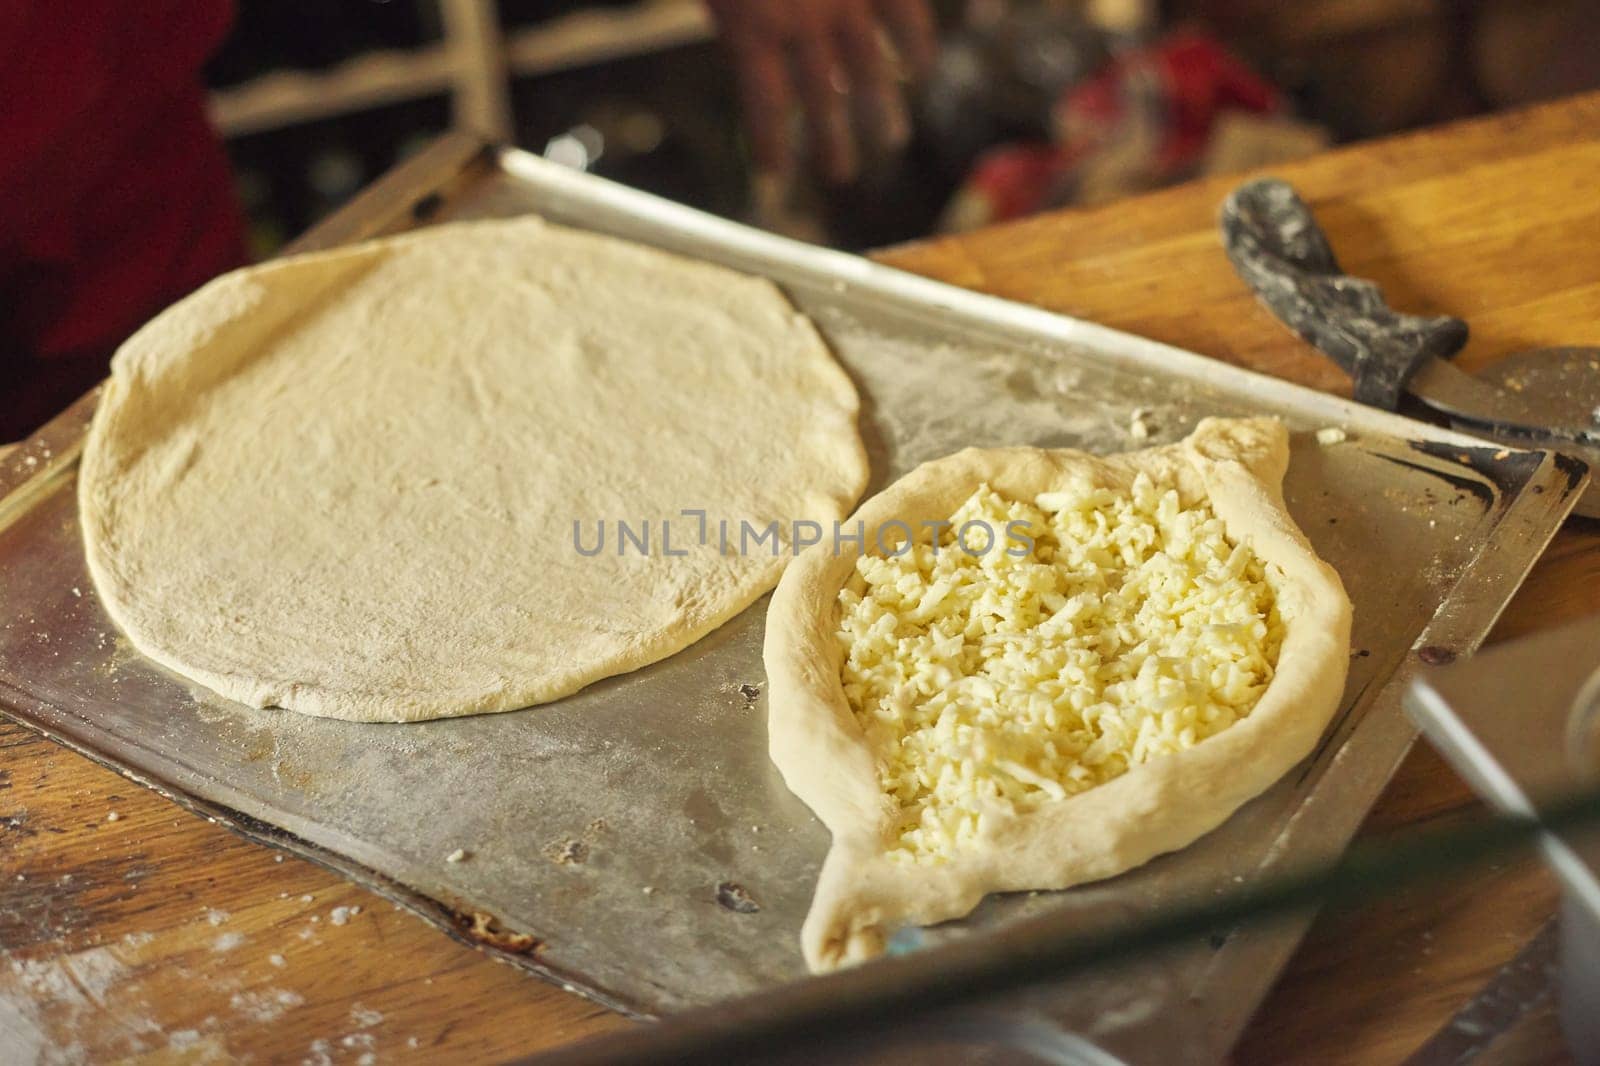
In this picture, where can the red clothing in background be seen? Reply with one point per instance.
(115, 194)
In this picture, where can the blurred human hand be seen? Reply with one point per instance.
(826, 56)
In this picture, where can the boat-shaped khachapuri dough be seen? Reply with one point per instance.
(1039, 668)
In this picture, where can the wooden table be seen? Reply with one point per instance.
(134, 930)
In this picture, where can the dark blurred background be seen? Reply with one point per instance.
(1031, 105)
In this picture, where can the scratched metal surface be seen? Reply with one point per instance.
(602, 825)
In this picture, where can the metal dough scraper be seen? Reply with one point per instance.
(1542, 398)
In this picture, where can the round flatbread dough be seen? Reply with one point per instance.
(368, 484)
(864, 891)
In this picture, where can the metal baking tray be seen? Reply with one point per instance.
(602, 829)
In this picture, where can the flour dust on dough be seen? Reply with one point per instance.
(347, 483)
(867, 888)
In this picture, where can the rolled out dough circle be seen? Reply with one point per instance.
(346, 483)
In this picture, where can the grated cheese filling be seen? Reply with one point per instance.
(1100, 631)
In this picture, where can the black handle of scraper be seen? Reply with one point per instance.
(1276, 246)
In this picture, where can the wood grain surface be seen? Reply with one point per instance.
(134, 931)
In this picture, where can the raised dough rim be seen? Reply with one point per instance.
(822, 754)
